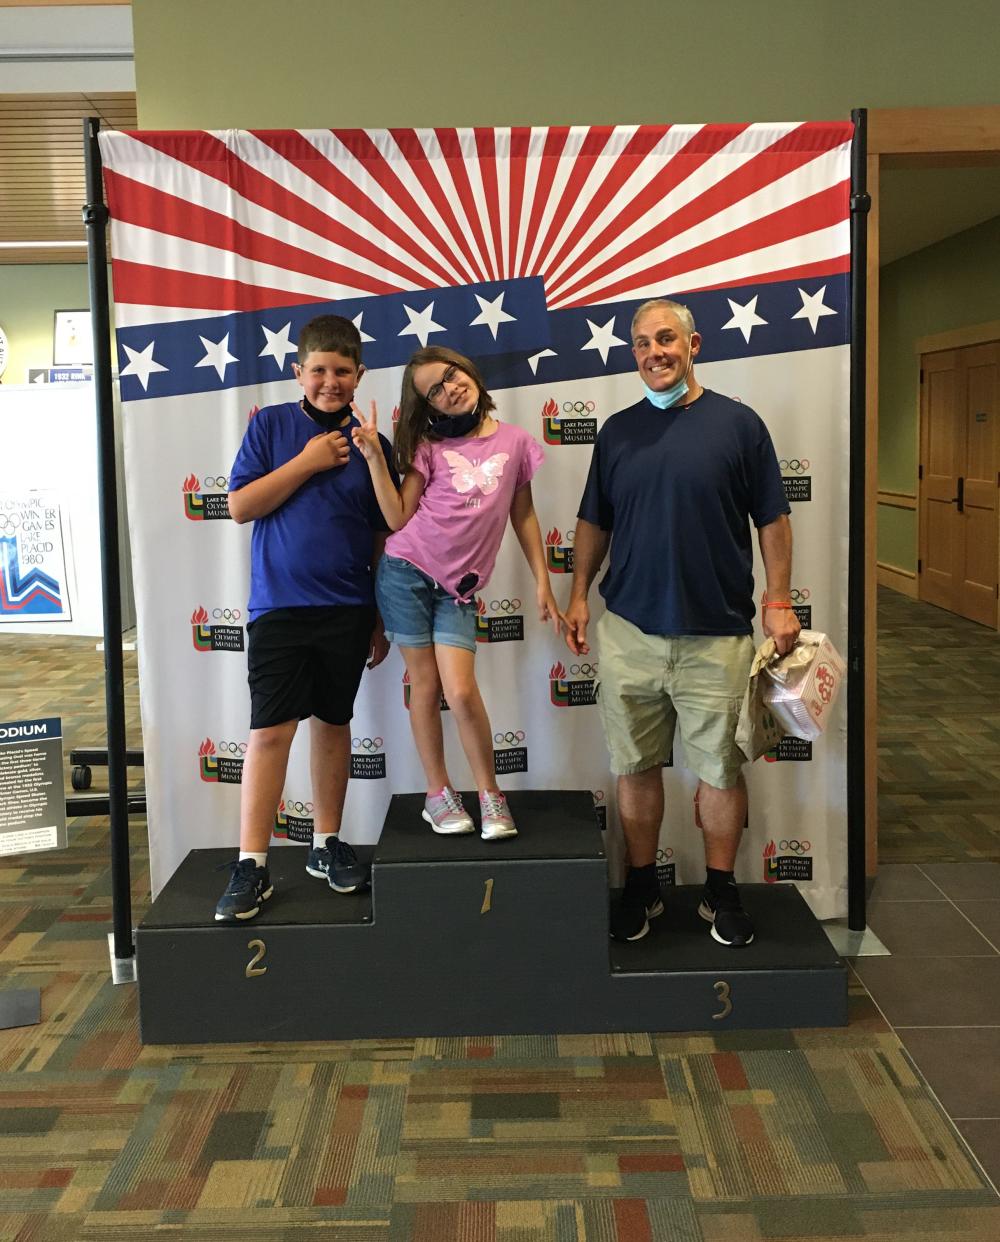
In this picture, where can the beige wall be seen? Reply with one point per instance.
(253, 63)
(951, 285)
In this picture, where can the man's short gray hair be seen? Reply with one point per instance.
(676, 308)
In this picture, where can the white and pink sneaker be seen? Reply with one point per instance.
(446, 814)
(497, 820)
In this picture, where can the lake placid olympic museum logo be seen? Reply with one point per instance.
(500, 622)
(790, 750)
(222, 764)
(800, 597)
(666, 868)
(509, 752)
(789, 859)
(571, 423)
(206, 500)
(796, 479)
(406, 694)
(218, 630)
(559, 551)
(367, 759)
(573, 686)
(600, 808)
(294, 821)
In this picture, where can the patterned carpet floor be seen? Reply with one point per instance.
(804, 1136)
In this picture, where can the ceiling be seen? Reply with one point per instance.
(42, 184)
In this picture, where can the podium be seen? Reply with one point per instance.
(460, 936)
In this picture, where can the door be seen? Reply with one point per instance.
(959, 460)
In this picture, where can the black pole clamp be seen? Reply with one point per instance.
(95, 215)
(861, 204)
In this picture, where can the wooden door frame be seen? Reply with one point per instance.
(901, 138)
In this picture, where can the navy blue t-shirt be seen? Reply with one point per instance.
(315, 549)
(677, 489)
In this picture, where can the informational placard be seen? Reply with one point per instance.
(72, 339)
(33, 584)
(32, 801)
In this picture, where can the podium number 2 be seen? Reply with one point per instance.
(252, 968)
(722, 991)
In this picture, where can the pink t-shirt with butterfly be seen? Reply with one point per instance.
(463, 511)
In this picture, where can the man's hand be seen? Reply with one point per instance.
(577, 617)
(379, 645)
(365, 437)
(783, 626)
(325, 451)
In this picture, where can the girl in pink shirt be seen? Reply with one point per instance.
(464, 473)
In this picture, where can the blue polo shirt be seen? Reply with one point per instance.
(315, 549)
(678, 489)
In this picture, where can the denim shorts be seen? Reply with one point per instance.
(417, 612)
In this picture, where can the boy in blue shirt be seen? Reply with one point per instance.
(317, 535)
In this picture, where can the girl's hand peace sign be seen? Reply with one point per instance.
(365, 437)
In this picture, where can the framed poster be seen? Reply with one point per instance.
(72, 340)
(33, 584)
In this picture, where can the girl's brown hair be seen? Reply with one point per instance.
(415, 412)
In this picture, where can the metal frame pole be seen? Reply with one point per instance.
(95, 217)
(856, 739)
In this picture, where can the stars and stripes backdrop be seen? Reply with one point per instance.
(527, 249)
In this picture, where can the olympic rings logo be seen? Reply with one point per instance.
(664, 856)
(579, 407)
(584, 670)
(509, 738)
(233, 748)
(299, 808)
(368, 744)
(795, 847)
(799, 597)
(598, 796)
(9, 521)
(220, 481)
(793, 465)
(570, 535)
(226, 614)
(504, 605)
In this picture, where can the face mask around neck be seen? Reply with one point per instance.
(451, 426)
(329, 422)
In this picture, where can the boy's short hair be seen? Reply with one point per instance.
(330, 334)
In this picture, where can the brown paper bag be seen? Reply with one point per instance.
(758, 729)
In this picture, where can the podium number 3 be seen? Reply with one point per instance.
(722, 991)
(252, 968)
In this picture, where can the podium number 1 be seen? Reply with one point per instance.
(487, 905)
(723, 991)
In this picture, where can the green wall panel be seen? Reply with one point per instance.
(29, 294)
(897, 537)
(252, 63)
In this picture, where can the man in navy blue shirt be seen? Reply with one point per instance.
(674, 484)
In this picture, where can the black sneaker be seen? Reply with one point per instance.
(631, 913)
(338, 864)
(248, 886)
(730, 922)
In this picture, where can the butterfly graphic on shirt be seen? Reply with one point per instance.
(465, 475)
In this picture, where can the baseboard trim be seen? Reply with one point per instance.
(902, 580)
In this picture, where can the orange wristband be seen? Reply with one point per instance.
(766, 603)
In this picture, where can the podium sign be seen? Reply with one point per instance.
(32, 801)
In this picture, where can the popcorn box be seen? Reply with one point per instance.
(804, 684)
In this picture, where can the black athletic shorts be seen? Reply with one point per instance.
(307, 662)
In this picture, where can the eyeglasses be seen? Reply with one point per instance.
(436, 390)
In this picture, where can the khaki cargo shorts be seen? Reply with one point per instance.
(650, 683)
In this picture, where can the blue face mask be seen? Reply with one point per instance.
(676, 392)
